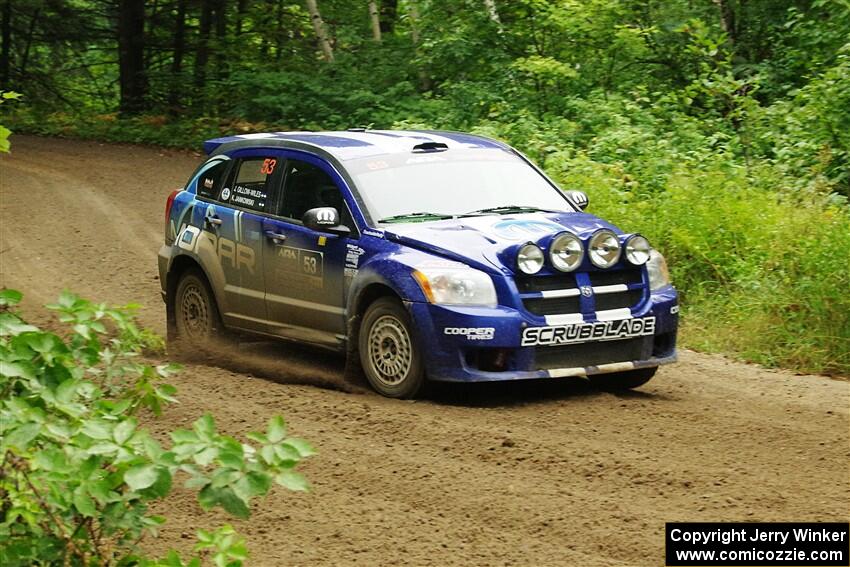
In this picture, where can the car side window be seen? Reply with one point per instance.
(211, 180)
(251, 183)
(307, 186)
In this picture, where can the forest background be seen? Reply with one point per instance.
(720, 129)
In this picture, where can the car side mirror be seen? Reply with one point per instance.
(578, 198)
(324, 219)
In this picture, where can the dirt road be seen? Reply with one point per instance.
(518, 474)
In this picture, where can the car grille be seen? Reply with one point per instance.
(527, 284)
(618, 300)
(531, 286)
(552, 306)
(592, 354)
(627, 276)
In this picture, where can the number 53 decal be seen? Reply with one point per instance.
(268, 166)
(311, 263)
(297, 260)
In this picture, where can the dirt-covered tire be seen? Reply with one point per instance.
(623, 380)
(389, 355)
(197, 321)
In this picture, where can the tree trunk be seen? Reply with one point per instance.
(413, 8)
(321, 32)
(241, 10)
(727, 19)
(424, 78)
(202, 54)
(264, 37)
(131, 55)
(389, 8)
(28, 44)
(221, 43)
(152, 25)
(179, 50)
(6, 53)
(376, 20)
(493, 13)
(278, 31)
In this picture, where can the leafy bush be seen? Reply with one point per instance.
(5, 132)
(78, 470)
(762, 267)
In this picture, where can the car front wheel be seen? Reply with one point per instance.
(389, 355)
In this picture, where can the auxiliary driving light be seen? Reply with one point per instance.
(566, 252)
(637, 250)
(604, 249)
(529, 259)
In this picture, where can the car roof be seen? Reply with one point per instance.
(355, 143)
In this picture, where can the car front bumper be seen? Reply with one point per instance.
(481, 344)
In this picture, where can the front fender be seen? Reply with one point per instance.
(389, 271)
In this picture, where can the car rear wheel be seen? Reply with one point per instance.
(197, 320)
(389, 355)
(623, 380)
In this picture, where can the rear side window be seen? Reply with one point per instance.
(250, 187)
(211, 180)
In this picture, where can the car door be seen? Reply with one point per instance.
(304, 269)
(231, 220)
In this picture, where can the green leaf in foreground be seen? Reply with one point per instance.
(10, 296)
(293, 481)
(76, 459)
(140, 477)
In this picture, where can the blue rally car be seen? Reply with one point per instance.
(421, 255)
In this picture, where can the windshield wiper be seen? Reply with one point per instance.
(506, 210)
(422, 216)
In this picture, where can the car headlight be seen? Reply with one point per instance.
(637, 250)
(566, 252)
(529, 259)
(604, 249)
(460, 285)
(659, 276)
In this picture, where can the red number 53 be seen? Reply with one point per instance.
(268, 166)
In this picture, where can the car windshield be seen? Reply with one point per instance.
(438, 185)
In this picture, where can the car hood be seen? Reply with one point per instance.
(490, 241)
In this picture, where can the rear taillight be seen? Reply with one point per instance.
(168, 204)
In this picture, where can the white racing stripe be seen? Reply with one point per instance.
(567, 372)
(617, 288)
(615, 367)
(560, 293)
(567, 319)
(389, 144)
(614, 314)
(580, 372)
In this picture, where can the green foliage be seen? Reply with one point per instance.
(762, 267)
(79, 469)
(808, 135)
(223, 546)
(5, 132)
